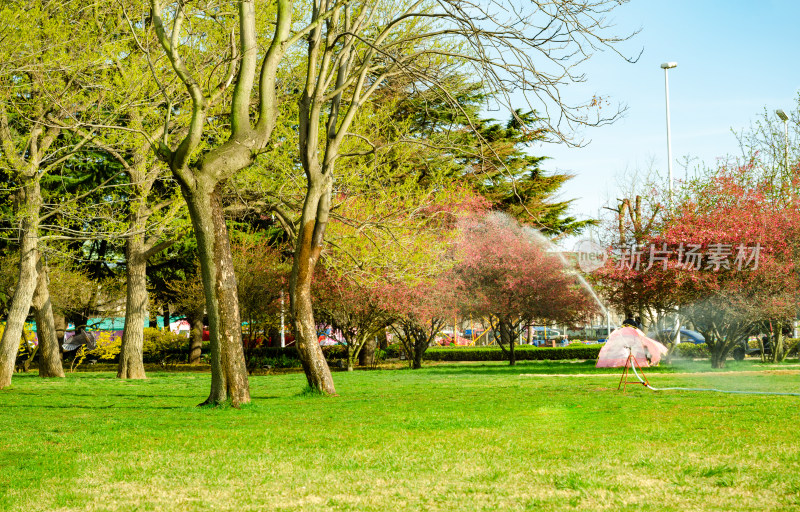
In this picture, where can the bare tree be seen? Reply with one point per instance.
(204, 158)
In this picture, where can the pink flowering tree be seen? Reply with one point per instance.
(507, 276)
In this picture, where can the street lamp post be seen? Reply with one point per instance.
(666, 66)
(782, 115)
(283, 329)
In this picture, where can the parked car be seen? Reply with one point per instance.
(743, 348)
(687, 336)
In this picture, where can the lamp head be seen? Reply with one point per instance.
(669, 65)
(782, 115)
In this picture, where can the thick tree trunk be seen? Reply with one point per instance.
(49, 353)
(30, 202)
(367, 355)
(307, 251)
(228, 369)
(195, 338)
(718, 358)
(131, 356)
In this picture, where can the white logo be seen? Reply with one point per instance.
(591, 255)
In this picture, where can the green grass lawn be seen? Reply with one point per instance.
(540, 436)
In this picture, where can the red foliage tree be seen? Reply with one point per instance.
(730, 247)
(353, 307)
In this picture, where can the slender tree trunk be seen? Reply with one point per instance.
(228, 369)
(49, 353)
(351, 356)
(61, 331)
(131, 356)
(778, 346)
(195, 338)
(420, 346)
(30, 202)
(307, 251)
(507, 337)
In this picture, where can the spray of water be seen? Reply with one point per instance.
(546, 244)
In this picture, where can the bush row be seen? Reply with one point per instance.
(163, 346)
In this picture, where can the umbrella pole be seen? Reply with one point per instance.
(624, 376)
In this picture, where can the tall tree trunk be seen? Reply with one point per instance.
(49, 353)
(228, 369)
(131, 356)
(195, 337)
(30, 202)
(307, 251)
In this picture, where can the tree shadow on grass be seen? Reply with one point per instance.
(96, 407)
(532, 367)
(581, 367)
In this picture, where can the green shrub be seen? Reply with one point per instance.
(394, 351)
(792, 345)
(279, 361)
(691, 350)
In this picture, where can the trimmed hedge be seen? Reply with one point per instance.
(522, 352)
(331, 352)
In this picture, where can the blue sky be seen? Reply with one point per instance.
(734, 59)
